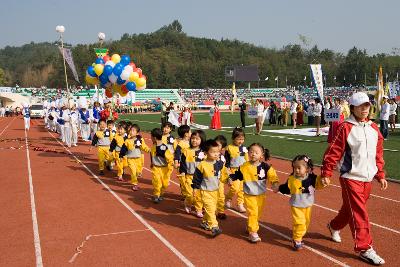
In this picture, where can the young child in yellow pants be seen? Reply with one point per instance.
(222, 143)
(181, 144)
(190, 159)
(101, 139)
(206, 178)
(236, 155)
(161, 163)
(168, 139)
(301, 185)
(115, 147)
(133, 147)
(255, 174)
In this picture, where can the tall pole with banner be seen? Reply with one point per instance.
(61, 29)
(100, 53)
(316, 71)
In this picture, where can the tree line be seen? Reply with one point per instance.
(172, 59)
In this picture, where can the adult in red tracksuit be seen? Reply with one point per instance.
(358, 147)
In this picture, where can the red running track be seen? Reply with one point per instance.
(112, 225)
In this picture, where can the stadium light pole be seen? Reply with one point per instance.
(61, 29)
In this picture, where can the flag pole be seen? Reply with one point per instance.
(61, 30)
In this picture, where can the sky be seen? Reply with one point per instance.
(338, 25)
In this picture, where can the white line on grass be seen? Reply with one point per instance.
(282, 235)
(134, 213)
(36, 237)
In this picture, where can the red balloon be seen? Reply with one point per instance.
(139, 71)
(108, 93)
(106, 58)
(133, 66)
(124, 89)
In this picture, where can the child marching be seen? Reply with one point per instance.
(101, 139)
(115, 148)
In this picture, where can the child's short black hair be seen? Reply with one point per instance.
(210, 143)
(102, 120)
(167, 124)
(156, 133)
(237, 132)
(182, 130)
(122, 124)
(128, 125)
(222, 140)
(264, 150)
(305, 158)
(136, 127)
(110, 122)
(202, 136)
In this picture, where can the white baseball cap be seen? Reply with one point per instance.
(358, 99)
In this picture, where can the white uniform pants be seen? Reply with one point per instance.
(67, 135)
(27, 122)
(85, 131)
(74, 139)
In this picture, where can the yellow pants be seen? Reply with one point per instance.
(210, 199)
(236, 188)
(136, 167)
(197, 201)
(254, 206)
(182, 184)
(102, 155)
(221, 198)
(301, 221)
(120, 163)
(160, 179)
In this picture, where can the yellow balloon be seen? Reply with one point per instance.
(123, 93)
(98, 69)
(91, 80)
(115, 58)
(140, 82)
(116, 88)
(134, 76)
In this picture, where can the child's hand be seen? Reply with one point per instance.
(275, 187)
(325, 181)
(151, 165)
(230, 182)
(384, 184)
(176, 164)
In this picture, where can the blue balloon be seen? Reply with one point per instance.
(107, 70)
(120, 81)
(90, 71)
(103, 78)
(99, 60)
(125, 59)
(131, 86)
(118, 69)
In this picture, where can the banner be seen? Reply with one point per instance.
(379, 92)
(332, 114)
(68, 57)
(393, 89)
(173, 118)
(252, 113)
(316, 71)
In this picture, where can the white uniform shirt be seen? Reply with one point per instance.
(317, 110)
(393, 108)
(385, 109)
(293, 108)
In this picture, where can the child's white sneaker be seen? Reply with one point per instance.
(228, 204)
(335, 234)
(254, 238)
(241, 208)
(370, 256)
(187, 209)
(199, 214)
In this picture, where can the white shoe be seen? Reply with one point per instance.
(241, 208)
(370, 256)
(75, 145)
(335, 234)
(254, 238)
(228, 204)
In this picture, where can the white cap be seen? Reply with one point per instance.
(385, 96)
(358, 99)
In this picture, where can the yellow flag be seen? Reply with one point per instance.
(379, 92)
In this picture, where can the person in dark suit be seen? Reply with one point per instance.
(243, 107)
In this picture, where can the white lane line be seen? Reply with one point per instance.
(338, 186)
(36, 237)
(5, 128)
(80, 247)
(281, 234)
(134, 213)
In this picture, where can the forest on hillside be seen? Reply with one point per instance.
(172, 59)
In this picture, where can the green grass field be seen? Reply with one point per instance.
(281, 145)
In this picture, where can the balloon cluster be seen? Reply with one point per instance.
(117, 74)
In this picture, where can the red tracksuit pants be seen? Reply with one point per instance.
(354, 212)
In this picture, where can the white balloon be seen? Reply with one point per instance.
(128, 68)
(125, 74)
(113, 78)
(111, 63)
(101, 36)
